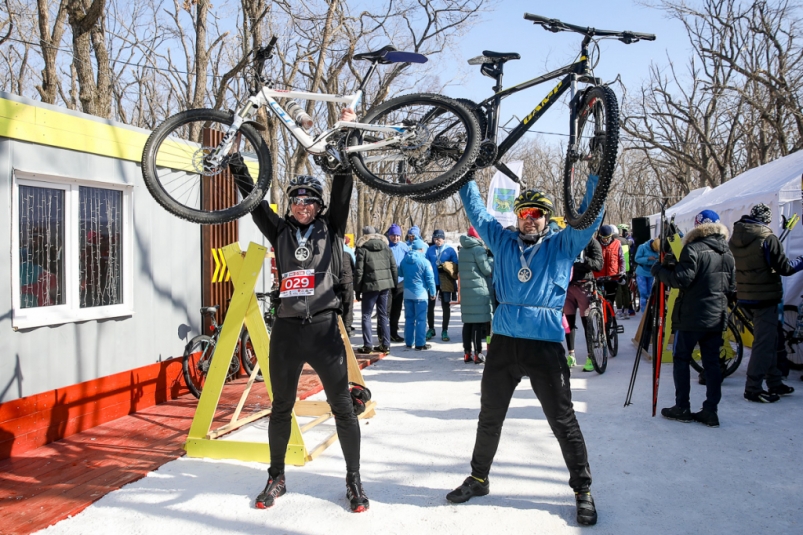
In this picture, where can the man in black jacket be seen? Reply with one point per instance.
(308, 244)
(760, 264)
(706, 277)
(375, 275)
(578, 296)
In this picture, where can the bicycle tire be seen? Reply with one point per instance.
(248, 355)
(635, 296)
(612, 336)
(462, 125)
(442, 195)
(174, 168)
(794, 346)
(600, 103)
(195, 368)
(730, 354)
(595, 340)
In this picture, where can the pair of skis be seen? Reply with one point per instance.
(656, 315)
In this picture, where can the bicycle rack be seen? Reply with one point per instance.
(244, 308)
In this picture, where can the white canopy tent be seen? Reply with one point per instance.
(776, 184)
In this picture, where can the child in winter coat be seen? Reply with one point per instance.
(419, 287)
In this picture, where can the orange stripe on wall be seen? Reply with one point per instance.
(34, 421)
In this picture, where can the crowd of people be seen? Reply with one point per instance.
(521, 289)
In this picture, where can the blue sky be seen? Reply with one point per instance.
(505, 30)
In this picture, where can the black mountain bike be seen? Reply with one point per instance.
(593, 124)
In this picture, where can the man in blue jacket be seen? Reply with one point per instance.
(531, 275)
(437, 254)
(399, 249)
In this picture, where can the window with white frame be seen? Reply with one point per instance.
(72, 250)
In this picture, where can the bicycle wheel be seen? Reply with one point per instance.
(249, 356)
(178, 172)
(635, 297)
(612, 335)
(730, 354)
(195, 365)
(445, 145)
(595, 340)
(794, 346)
(594, 153)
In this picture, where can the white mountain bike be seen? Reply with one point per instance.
(408, 145)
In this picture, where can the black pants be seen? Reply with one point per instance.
(709, 342)
(348, 307)
(473, 332)
(292, 343)
(571, 319)
(446, 299)
(509, 359)
(396, 304)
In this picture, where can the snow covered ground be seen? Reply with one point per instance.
(651, 475)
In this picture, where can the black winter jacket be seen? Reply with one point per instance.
(590, 260)
(706, 276)
(376, 268)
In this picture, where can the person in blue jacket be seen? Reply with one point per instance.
(531, 276)
(437, 254)
(646, 257)
(412, 234)
(419, 288)
(399, 249)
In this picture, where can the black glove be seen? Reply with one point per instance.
(622, 279)
(669, 261)
(656, 267)
(358, 296)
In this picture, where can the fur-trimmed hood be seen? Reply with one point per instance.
(363, 241)
(705, 230)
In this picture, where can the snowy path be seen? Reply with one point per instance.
(651, 475)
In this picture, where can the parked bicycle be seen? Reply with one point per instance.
(612, 327)
(635, 296)
(593, 120)
(412, 144)
(601, 329)
(200, 349)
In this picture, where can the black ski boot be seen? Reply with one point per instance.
(355, 493)
(274, 488)
(706, 417)
(586, 511)
(471, 487)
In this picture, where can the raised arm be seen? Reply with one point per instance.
(342, 186)
(489, 229)
(266, 220)
(573, 241)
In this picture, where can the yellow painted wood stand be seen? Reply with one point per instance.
(244, 308)
(676, 244)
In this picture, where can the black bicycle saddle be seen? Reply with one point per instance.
(500, 56)
(389, 54)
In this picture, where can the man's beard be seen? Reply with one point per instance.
(533, 237)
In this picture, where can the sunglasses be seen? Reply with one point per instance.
(304, 201)
(531, 213)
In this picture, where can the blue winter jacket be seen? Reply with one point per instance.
(419, 280)
(643, 262)
(530, 310)
(399, 250)
(447, 254)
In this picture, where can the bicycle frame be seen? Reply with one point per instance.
(574, 73)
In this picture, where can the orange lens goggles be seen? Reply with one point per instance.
(532, 213)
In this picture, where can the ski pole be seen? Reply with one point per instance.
(642, 343)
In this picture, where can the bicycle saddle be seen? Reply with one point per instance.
(388, 54)
(210, 310)
(499, 57)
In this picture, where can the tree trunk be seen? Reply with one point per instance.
(49, 40)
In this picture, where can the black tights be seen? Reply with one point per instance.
(570, 318)
(473, 332)
(293, 342)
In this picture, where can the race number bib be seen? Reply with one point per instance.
(298, 283)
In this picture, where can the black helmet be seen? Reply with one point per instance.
(305, 185)
(607, 230)
(360, 396)
(533, 198)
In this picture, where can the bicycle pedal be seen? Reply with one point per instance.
(620, 329)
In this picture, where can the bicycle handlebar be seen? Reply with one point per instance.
(610, 278)
(555, 26)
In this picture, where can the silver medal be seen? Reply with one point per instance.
(525, 274)
(302, 254)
